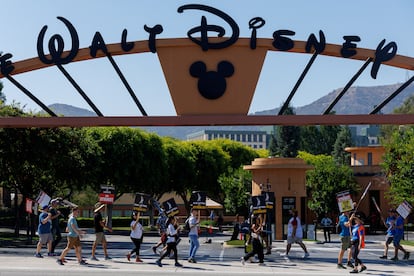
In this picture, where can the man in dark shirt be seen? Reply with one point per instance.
(57, 236)
(99, 225)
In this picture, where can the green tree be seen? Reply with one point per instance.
(211, 161)
(273, 147)
(35, 159)
(132, 160)
(406, 108)
(237, 187)
(399, 165)
(288, 138)
(311, 140)
(240, 154)
(181, 169)
(325, 181)
(329, 135)
(344, 140)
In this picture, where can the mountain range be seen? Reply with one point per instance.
(357, 100)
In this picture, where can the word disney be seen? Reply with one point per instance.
(282, 41)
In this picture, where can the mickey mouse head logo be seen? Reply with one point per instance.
(212, 85)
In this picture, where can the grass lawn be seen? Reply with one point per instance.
(404, 242)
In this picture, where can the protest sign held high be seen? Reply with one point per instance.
(345, 202)
(107, 195)
(141, 202)
(404, 209)
(43, 198)
(170, 207)
(259, 204)
(198, 200)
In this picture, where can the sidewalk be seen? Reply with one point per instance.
(25, 264)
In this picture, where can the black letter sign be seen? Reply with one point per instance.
(255, 23)
(153, 32)
(318, 46)
(204, 28)
(98, 43)
(283, 43)
(6, 66)
(383, 54)
(56, 51)
(348, 48)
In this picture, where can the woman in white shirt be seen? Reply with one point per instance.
(136, 236)
(172, 235)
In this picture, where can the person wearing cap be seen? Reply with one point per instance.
(99, 225)
(44, 231)
(357, 241)
(73, 236)
(399, 234)
(389, 237)
(56, 234)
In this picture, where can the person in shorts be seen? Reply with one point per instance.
(74, 235)
(162, 231)
(345, 237)
(389, 237)
(44, 231)
(399, 234)
(295, 234)
(99, 225)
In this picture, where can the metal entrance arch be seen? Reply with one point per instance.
(177, 57)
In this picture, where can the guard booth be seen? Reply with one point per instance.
(286, 178)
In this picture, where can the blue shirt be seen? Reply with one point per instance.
(344, 229)
(399, 226)
(390, 226)
(72, 222)
(44, 228)
(356, 232)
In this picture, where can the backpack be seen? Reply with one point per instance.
(187, 225)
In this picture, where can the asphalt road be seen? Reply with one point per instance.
(213, 259)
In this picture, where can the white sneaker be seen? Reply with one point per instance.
(242, 260)
(306, 255)
(284, 254)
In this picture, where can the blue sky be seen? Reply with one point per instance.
(371, 20)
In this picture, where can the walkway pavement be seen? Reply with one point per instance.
(25, 264)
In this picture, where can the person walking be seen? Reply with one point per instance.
(295, 234)
(357, 242)
(194, 222)
(326, 223)
(74, 235)
(136, 235)
(99, 225)
(56, 233)
(389, 237)
(257, 246)
(162, 231)
(44, 232)
(345, 238)
(172, 234)
(398, 235)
